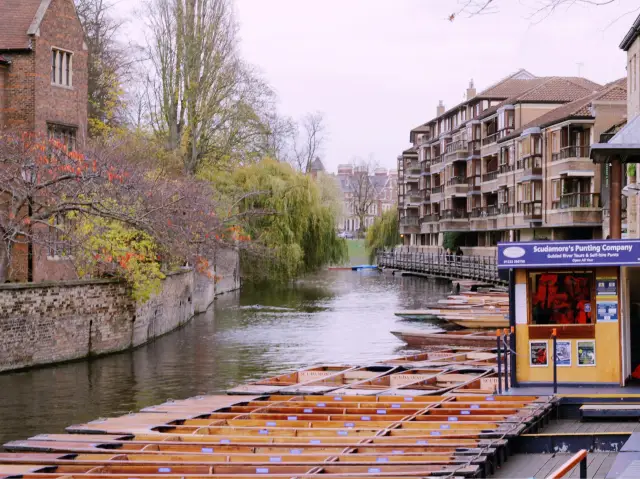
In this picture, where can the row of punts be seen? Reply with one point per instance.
(286, 436)
(430, 414)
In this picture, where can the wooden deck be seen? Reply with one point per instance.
(541, 465)
(575, 426)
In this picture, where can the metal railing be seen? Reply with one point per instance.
(473, 182)
(491, 210)
(573, 151)
(432, 218)
(473, 147)
(580, 458)
(481, 268)
(489, 139)
(532, 163)
(577, 200)
(492, 175)
(454, 214)
(409, 221)
(456, 180)
(437, 189)
(460, 145)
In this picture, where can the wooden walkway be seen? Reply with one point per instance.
(575, 426)
(541, 465)
(479, 268)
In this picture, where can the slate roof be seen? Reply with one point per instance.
(580, 108)
(317, 165)
(17, 17)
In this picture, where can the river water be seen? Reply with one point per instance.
(334, 316)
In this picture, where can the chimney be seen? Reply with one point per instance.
(471, 91)
(440, 109)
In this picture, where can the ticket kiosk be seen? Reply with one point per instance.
(580, 290)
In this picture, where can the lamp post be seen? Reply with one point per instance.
(29, 176)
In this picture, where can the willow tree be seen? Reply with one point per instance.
(383, 233)
(292, 230)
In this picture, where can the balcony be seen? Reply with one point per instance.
(413, 198)
(432, 218)
(531, 164)
(505, 209)
(476, 213)
(437, 189)
(577, 200)
(489, 139)
(571, 152)
(505, 168)
(474, 183)
(492, 175)
(532, 210)
(454, 214)
(409, 221)
(457, 146)
(473, 147)
(491, 210)
(457, 180)
(437, 159)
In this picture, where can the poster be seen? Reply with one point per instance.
(586, 353)
(563, 353)
(538, 356)
(606, 287)
(607, 311)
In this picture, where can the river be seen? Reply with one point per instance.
(334, 316)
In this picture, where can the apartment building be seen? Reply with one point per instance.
(509, 163)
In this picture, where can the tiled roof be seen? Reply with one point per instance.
(509, 88)
(579, 108)
(317, 165)
(17, 16)
(631, 35)
(558, 89)
(422, 129)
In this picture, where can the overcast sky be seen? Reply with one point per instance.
(377, 68)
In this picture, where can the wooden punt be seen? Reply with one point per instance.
(276, 383)
(450, 338)
(389, 381)
(441, 383)
(479, 321)
(329, 383)
(442, 354)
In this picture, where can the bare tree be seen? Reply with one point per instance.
(110, 63)
(309, 141)
(205, 100)
(363, 190)
(540, 9)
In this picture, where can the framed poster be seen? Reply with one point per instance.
(607, 311)
(586, 353)
(563, 353)
(538, 357)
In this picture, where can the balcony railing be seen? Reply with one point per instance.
(571, 152)
(492, 175)
(532, 210)
(491, 210)
(505, 168)
(473, 147)
(577, 200)
(460, 145)
(409, 221)
(473, 182)
(456, 180)
(413, 199)
(455, 214)
(531, 163)
(489, 139)
(476, 213)
(437, 159)
(432, 218)
(437, 189)
(505, 209)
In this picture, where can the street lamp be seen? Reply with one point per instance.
(28, 173)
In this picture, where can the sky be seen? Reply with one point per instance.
(377, 68)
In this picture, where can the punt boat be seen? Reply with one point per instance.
(440, 384)
(480, 339)
(390, 381)
(275, 384)
(327, 384)
(478, 321)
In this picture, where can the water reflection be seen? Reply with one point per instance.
(337, 316)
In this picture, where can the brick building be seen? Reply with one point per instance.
(43, 90)
(43, 69)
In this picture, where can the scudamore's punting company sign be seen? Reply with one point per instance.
(544, 254)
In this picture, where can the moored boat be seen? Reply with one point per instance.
(381, 384)
(336, 381)
(274, 384)
(480, 321)
(480, 339)
(440, 384)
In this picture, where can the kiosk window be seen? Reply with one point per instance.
(561, 298)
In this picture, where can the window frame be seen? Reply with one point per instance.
(61, 67)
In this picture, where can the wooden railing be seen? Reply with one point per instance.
(579, 457)
(481, 268)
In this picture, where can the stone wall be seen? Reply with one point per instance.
(43, 323)
(226, 267)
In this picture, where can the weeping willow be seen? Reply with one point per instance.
(383, 233)
(292, 230)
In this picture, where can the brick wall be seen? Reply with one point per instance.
(45, 323)
(19, 95)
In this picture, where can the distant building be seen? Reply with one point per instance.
(384, 186)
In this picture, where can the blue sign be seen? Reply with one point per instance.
(545, 254)
(607, 311)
